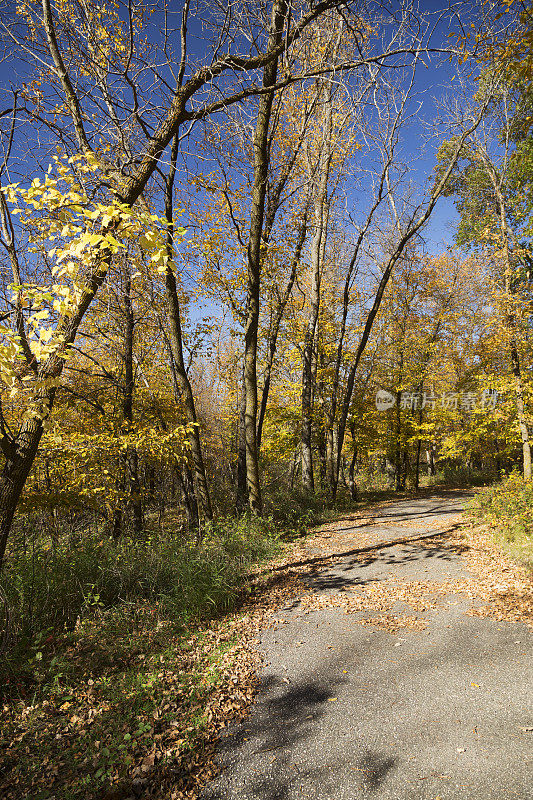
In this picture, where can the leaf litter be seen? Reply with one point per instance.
(497, 587)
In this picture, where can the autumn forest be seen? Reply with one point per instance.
(259, 262)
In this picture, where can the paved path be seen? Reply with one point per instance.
(348, 711)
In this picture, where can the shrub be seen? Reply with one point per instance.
(508, 507)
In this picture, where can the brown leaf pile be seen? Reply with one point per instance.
(176, 755)
(382, 596)
(505, 587)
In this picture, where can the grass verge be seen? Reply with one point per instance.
(123, 659)
(507, 507)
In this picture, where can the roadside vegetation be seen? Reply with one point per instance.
(118, 655)
(507, 506)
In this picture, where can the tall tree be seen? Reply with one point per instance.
(45, 33)
(486, 200)
(261, 146)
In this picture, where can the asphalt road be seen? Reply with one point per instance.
(348, 711)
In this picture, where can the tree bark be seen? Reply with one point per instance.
(255, 255)
(176, 346)
(20, 456)
(131, 457)
(320, 213)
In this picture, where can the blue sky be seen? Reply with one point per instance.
(431, 82)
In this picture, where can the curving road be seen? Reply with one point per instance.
(348, 711)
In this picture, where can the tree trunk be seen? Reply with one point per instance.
(417, 465)
(511, 324)
(19, 460)
(176, 346)
(131, 460)
(419, 441)
(255, 256)
(398, 444)
(398, 448)
(241, 493)
(186, 483)
(352, 485)
(293, 469)
(430, 456)
(274, 332)
(321, 447)
(316, 253)
(520, 412)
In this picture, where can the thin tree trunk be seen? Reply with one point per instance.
(398, 445)
(255, 256)
(430, 455)
(187, 482)
(241, 498)
(515, 358)
(274, 331)
(293, 467)
(414, 226)
(118, 513)
(19, 461)
(321, 447)
(131, 457)
(352, 485)
(176, 345)
(316, 253)
(520, 412)
(417, 465)
(496, 180)
(418, 441)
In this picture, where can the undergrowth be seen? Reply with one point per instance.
(54, 584)
(117, 648)
(459, 477)
(113, 645)
(507, 507)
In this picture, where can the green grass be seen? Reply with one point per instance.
(114, 644)
(52, 585)
(507, 507)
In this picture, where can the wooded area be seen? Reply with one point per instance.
(222, 306)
